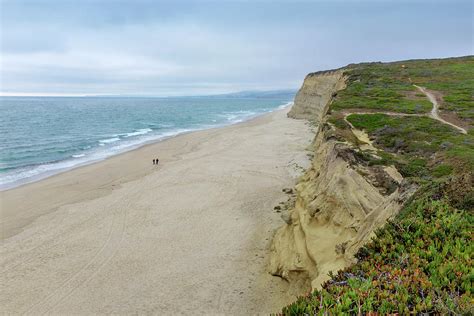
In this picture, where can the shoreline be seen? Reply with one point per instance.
(208, 202)
(112, 182)
(25, 181)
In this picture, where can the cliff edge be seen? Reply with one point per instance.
(340, 200)
(393, 159)
(314, 96)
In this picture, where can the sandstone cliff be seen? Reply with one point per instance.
(315, 94)
(340, 200)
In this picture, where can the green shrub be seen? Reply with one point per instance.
(442, 170)
(338, 122)
(413, 168)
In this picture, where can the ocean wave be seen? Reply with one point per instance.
(281, 107)
(238, 116)
(137, 132)
(78, 155)
(36, 172)
(108, 140)
(165, 125)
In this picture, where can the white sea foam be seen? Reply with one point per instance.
(239, 116)
(108, 141)
(37, 172)
(138, 132)
(78, 155)
(166, 125)
(281, 107)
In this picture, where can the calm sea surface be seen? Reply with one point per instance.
(41, 136)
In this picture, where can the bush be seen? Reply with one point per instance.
(442, 170)
(413, 168)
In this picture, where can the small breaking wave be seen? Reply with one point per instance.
(108, 141)
(137, 132)
(239, 116)
(281, 107)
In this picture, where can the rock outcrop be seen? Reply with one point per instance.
(340, 200)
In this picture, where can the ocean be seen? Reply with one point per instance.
(42, 136)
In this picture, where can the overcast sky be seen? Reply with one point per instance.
(200, 47)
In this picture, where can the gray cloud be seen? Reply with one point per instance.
(144, 47)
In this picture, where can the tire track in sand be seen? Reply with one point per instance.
(87, 272)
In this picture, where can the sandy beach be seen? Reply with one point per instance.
(188, 236)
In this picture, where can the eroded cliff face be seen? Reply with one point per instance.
(340, 200)
(315, 94)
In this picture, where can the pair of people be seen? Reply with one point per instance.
(155, 161)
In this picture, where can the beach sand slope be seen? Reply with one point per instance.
(188, 236)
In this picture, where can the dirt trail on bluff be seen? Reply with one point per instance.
(434, 114)
(435, 110)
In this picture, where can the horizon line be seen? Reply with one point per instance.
(85, 95)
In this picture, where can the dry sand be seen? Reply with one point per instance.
(188, 236)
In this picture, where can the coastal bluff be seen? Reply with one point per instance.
(339, 201)
(315, 94)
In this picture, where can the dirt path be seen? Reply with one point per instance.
(434, 114)
(435, 110)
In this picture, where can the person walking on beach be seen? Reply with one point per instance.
(157, 160)
(154, 161)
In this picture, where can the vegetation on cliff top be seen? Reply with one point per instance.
(422, 260)
(410, 140)
(389, 86)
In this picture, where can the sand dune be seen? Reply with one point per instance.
(124, 236)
